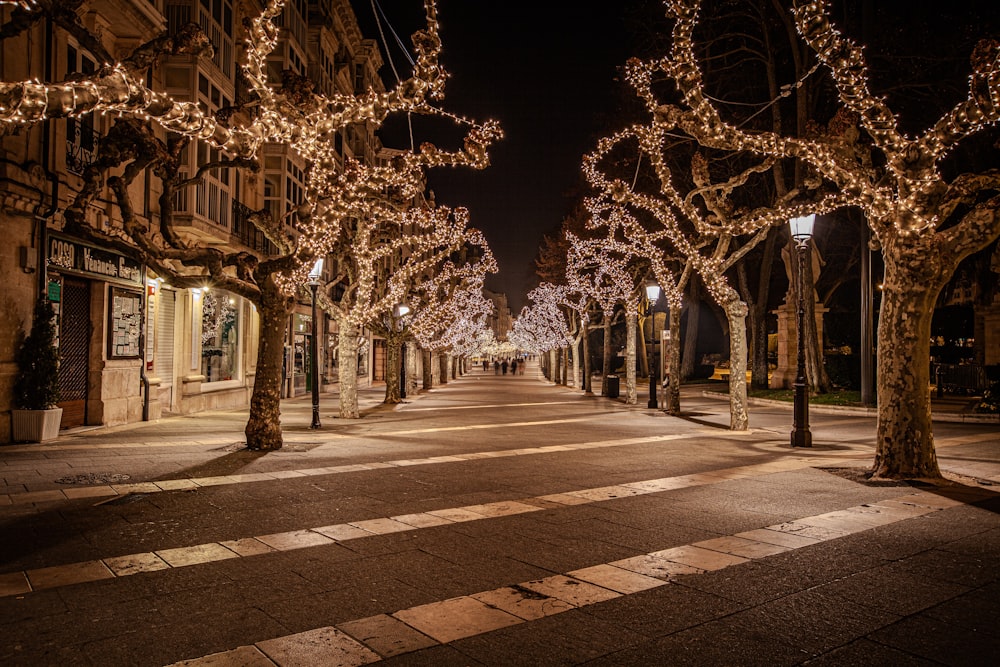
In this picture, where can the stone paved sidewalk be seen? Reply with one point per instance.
(498, 521)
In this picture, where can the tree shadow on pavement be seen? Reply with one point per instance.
(228, 464)
(960, 488)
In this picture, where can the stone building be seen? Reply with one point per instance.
(133, 346)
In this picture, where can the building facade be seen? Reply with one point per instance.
(132, 346)
(501, 320)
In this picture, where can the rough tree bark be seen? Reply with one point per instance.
(688, 362)
(757, 312)
(736, 313)
(606, 355)
(428, 370)
(348, 351)
(913, 279)
(672, 399)
(393, 343)
(631, 394)
(263, 429)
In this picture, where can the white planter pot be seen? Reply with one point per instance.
(35, 425)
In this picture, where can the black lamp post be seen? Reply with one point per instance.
(314, 276)
(802, 229)
(652, 296)
(401, 311)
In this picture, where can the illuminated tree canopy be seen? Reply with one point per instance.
(924, 221)
(288, 112)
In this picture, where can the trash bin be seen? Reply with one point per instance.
(612, 386)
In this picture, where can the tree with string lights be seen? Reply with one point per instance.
(290, 113)
(670, 270)
(450, 306)
(702, 224)
(538, 328)
(550, 266)
(924, 221)
(444, 305)
(607, 271)
(381, 260)
(572, 317)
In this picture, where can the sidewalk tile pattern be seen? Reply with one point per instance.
(458, 618)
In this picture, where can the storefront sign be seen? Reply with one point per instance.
(72, 256)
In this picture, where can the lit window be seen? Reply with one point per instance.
(220, 339)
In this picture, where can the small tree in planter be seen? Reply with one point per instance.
(35, 417)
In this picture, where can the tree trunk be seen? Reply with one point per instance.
(428, 368)
(904, 438)
(736, 312)
(672, 400)
(606, 358)
(757, 313)
(630, 357)
(587, 379)
(759, 366)
(640, 343)
(392, 366)
(410, 363)
(577, 366)
(819, 381)
(443, 368)
(577, 380)
(348, 351)
(263, 430)
(688, 361)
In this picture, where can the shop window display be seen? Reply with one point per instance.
(219, 336)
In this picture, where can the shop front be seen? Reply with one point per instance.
(98, 297)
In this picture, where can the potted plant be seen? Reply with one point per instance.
(35, 417)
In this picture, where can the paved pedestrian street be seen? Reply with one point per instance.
(498, 520)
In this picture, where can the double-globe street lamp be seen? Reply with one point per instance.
(314, 277)
(652, 296)
(802, 230)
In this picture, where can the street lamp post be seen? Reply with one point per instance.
(314, 277)
(802, 229)
(652, 296)
(401, 311)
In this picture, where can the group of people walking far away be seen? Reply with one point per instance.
(515, 365)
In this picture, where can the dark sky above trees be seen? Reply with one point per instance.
(547, 69)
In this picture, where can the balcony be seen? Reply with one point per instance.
(247, 234)
(81, 146)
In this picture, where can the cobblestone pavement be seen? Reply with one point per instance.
(497, 520)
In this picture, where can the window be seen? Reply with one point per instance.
(212, 196)
(81, 137)
(359, 79)
(220, 335)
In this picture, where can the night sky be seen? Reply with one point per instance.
(545, 70)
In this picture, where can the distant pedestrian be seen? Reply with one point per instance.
(496, 367)
(513, 367)
(486, 365)
(503, 365)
